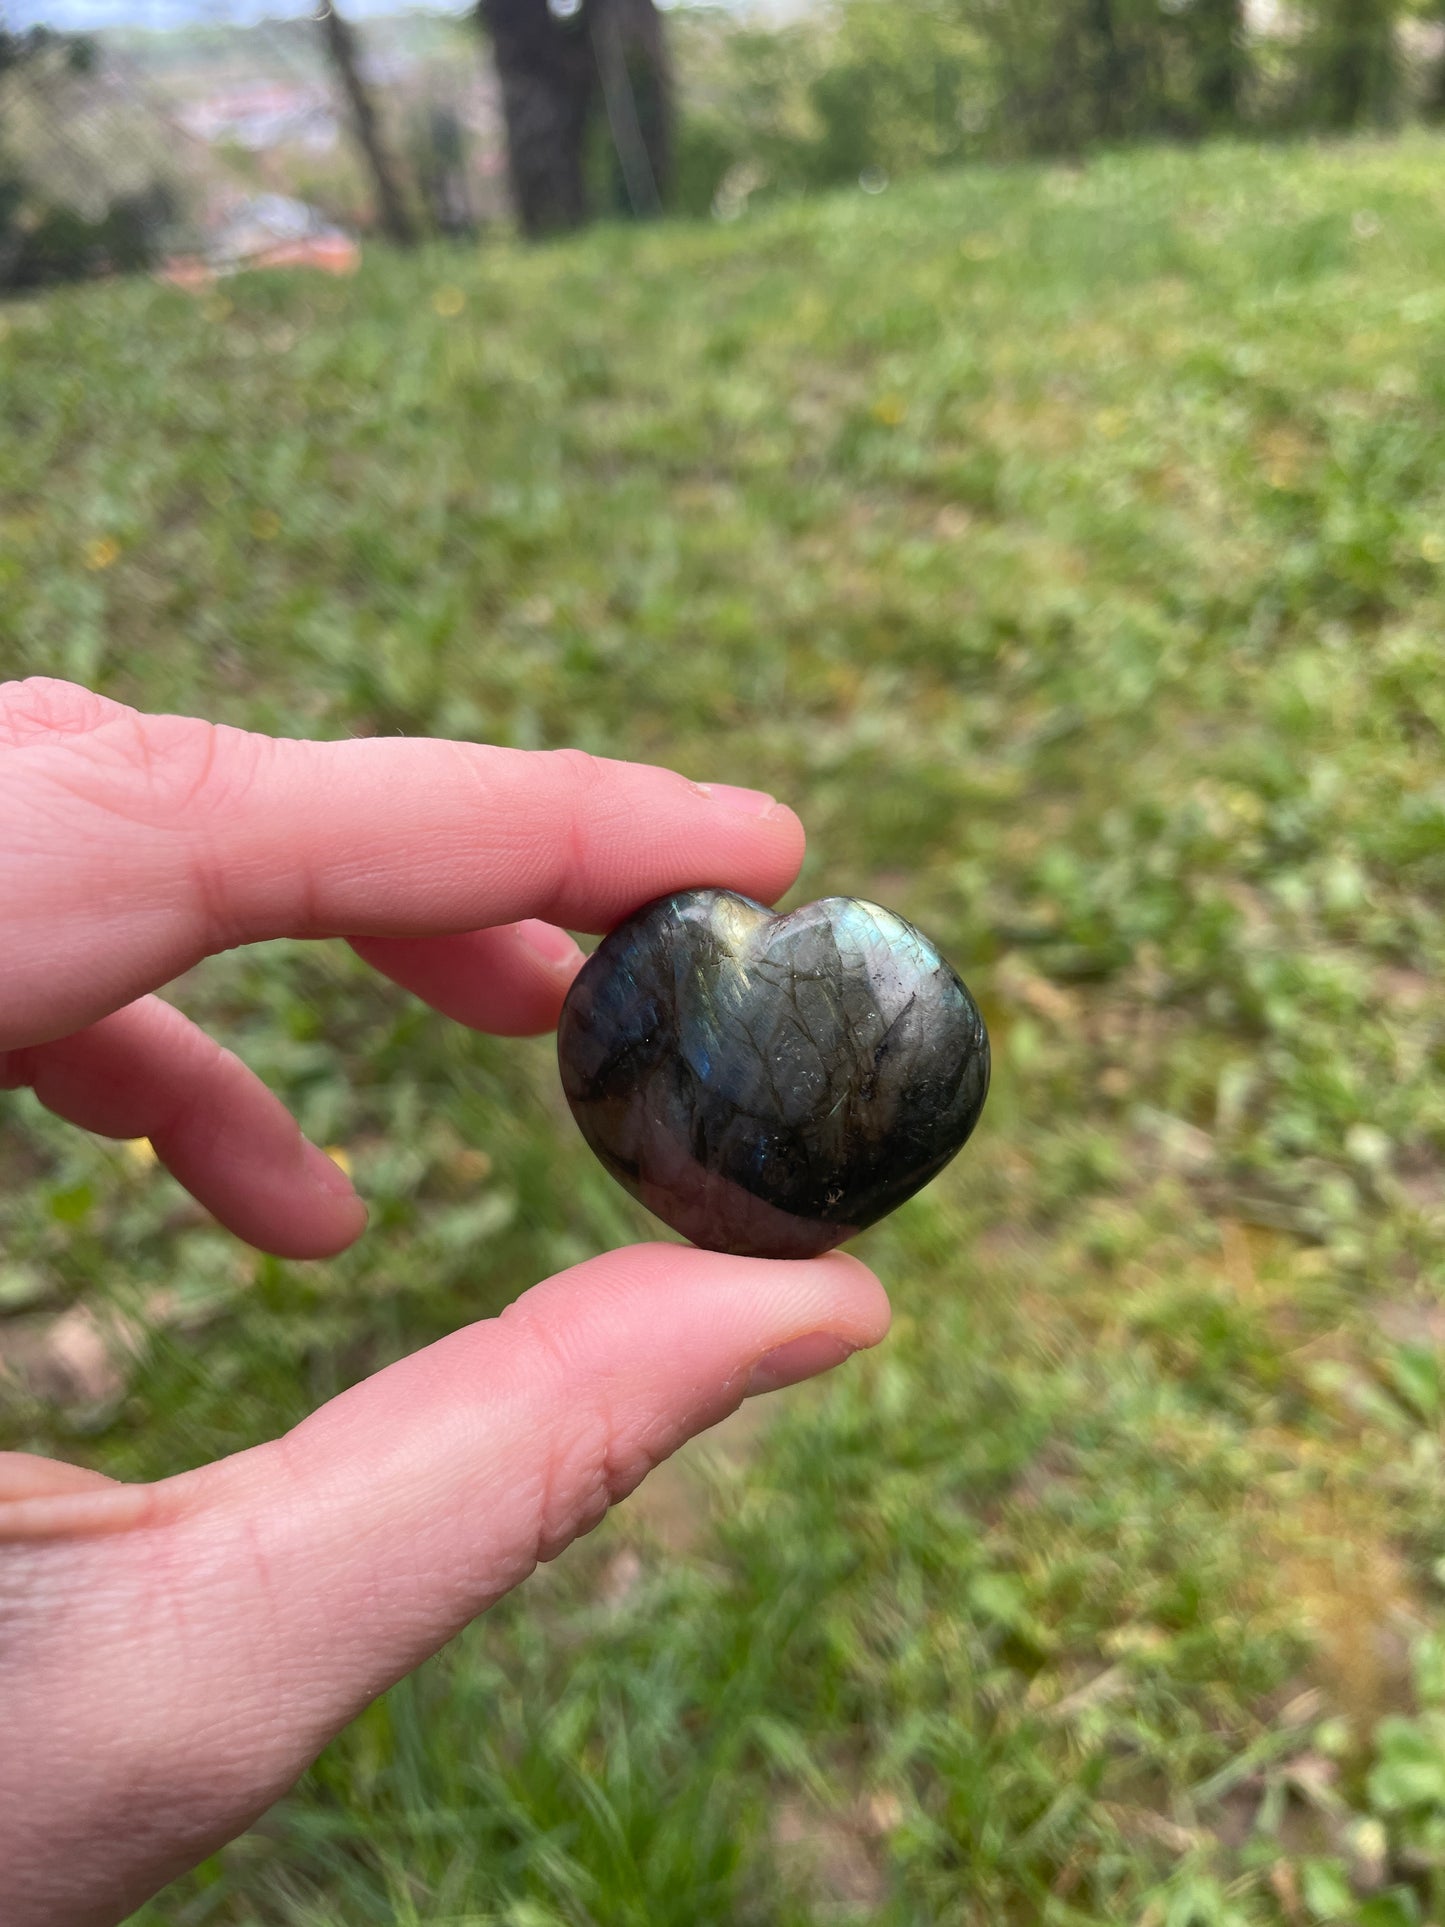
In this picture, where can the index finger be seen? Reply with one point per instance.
(149, 841)
(420, 837)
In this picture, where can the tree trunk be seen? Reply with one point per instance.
(391, 208)
(1220, 41)
(547, 74)
(556, 68)
(1109, 64)
(1433, 106)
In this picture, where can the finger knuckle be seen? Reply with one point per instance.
(584, 771)
(594, 1452)
(192, 770)
(585, 789)
(37, 708)
(156, 768)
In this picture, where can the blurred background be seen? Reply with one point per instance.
(1012, 432)
(134, 130)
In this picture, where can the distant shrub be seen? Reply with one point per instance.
(41, 243)
(878, 89)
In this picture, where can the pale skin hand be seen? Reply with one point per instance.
(172, 1655)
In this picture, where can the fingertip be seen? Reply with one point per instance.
(785, 821)
(302, 1207)
(770, 839)
(556, 948)
(777, 1298)
(789, 845)
(801, 1358)
(323, 1220)
(327, 1171)
(862, 1290)
(734, 797)
(351, 1222)
(851, 1298)
(317, 1240)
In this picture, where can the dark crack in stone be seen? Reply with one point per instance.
(769, 1085)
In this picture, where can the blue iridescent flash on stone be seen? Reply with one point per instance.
(769, 1085)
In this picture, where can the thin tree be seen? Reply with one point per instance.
(391, 207)
(1221, 59)
(1433, 105)
(1109, 65)
(558, 63)
(637, 94)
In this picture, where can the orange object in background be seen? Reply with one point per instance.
(339, 256)
(186, 271)
(267, 232)
(331, 253)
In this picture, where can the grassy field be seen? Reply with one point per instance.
(1069, 548)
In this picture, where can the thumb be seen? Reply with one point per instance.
(399, 1511)
(221, 1637)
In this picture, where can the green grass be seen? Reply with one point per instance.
(1069, 547)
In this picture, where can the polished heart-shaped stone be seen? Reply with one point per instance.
(769, 1085)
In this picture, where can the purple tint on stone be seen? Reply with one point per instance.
(770, 1085)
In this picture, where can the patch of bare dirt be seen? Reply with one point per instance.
(78, 1360)
(834, 1857)
(673, 1505)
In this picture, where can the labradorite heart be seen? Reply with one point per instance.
(768, 1085)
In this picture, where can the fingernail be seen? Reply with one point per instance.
(800, 1358)
(327, 1174)
(556, 949)
(749, 802)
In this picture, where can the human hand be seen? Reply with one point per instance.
(173, 1655)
